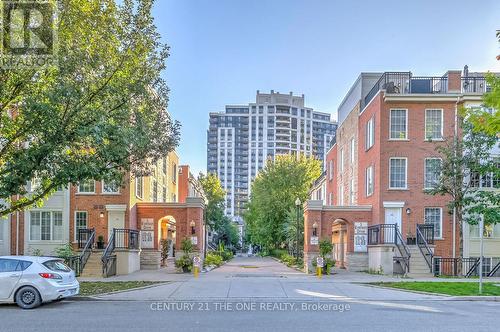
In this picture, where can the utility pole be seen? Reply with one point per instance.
(297, 205)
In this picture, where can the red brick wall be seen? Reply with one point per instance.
(331, 184)
(96, 203)
(415, 149)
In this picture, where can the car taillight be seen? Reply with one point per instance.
(50, 276)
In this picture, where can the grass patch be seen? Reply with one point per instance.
(447, 288)
(99, 287)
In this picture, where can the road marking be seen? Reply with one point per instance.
(377, 303)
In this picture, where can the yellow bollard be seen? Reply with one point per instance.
(318, 271)
(196, 271)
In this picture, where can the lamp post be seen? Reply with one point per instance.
(297, 205)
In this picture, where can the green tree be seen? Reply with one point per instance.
(464, 162)
(274, 192)
(487, 119)
(97, 114)
(215, 195)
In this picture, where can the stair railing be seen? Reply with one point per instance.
(403, 249)
(87, 248)
(494, 270)
(423, 242)
(109, 260)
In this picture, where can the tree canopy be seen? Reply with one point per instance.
(273, 196)
(96, 114)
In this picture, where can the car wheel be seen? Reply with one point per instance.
(28, 298)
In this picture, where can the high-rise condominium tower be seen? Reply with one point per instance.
(242, 137)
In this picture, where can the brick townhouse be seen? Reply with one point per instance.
(382, 160)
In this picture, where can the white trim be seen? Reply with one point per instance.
(442, 124)
(109, 192)
(142, 187)
(406, 174)
(51, 211)
(85, 192)
(116, 207)
(425, 173)
(440, 237)
(74, 222)
(406, 124)
(368, 194)
(393, 204)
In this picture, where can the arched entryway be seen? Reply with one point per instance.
(339, 241)
(166, 236)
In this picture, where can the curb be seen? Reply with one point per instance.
(96, 296)
(447, 297)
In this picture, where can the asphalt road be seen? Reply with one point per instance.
(251, 294)
(262, 316)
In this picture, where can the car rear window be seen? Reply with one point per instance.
(57, 266)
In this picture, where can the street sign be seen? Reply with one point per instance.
(197, 261)
(319, 261)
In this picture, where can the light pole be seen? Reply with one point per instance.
(297, 205)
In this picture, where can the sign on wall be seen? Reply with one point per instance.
(314, 240)
(194, 240)
(147, 233)
(360, 236)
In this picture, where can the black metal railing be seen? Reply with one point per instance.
(126, 238)
(392, 82)
(425, 237)
(382, 234)
(74, 263)
(107, 257)
(456, 267)
(406, 83)
(87, 248)
(403, 249)
(475, 85)
(495, 270)
(83, 235)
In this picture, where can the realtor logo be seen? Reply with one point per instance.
(29, 33)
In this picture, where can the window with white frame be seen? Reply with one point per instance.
(174, 173)
(35, 184)
(434, 216)
(432, 172)
(370, 133)
(341, 164)
(86, 187)
(139, 186)
(369, 181)
(110, 187)
(398, 124)
(490, 231)
(330, 199)
(81, 220)
(351, 192)
(164, 194)
(397, 173)
(46, 226)
(330, 170)
(352, 145)
(433, 124)
(486, 180)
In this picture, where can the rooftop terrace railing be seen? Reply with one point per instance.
(406, 83)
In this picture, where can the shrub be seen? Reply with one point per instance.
(288, 259)
(65, 251)
(184, 264)
(187, 246)
(226, 255)
(213, 259)
(325, 247)
(278, 253)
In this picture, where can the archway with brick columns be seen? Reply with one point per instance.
(189, 223)
(337, 224)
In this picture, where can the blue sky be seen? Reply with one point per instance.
(222, 51)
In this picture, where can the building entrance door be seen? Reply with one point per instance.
(392, 216)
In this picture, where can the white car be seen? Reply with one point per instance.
(29, 280)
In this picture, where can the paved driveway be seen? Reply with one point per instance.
(264, 278)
